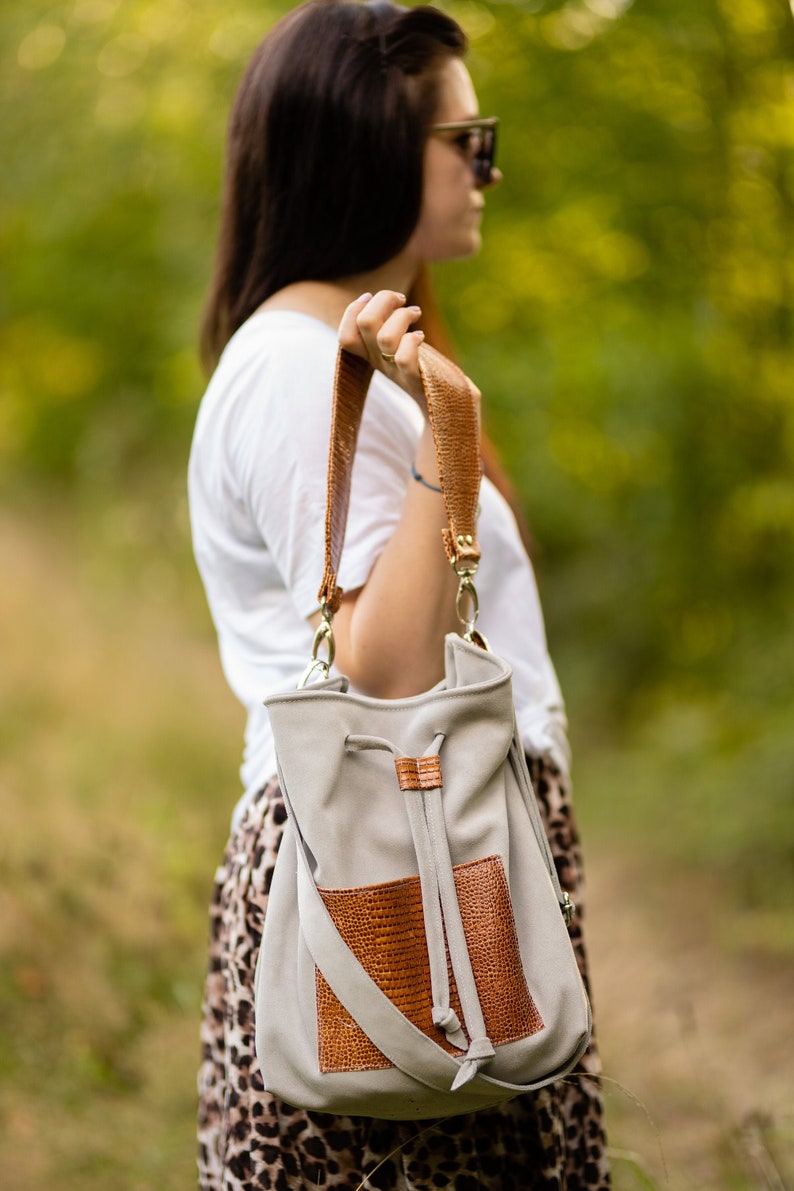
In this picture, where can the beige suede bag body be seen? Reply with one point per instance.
(415, 961)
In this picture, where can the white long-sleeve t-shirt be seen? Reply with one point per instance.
(257, 489)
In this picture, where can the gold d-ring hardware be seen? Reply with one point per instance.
(318, 665)
(467, 591)
(467, 588)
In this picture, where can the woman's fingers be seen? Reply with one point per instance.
(390, 337)
(382, 314)
(404, 368)
(349, 334)
(379, 329)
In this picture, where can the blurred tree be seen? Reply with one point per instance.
(636, 294)
(630, 319)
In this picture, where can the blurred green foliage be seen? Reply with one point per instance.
(629, 320)
(630, 323)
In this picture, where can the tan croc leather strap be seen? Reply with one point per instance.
(453, 407)
(351, 383)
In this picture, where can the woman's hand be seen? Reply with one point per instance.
(390, 633)
(378, 329)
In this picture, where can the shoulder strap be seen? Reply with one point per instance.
(453, 407)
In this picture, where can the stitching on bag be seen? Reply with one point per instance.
(386, 704)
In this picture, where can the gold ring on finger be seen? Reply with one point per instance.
(389, 358)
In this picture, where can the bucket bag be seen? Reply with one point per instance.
(415, 961)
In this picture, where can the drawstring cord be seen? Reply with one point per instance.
(441, 912)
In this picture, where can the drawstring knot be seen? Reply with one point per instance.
(447, 1020)
(480, 1050)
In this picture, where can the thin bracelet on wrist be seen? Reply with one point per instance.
(422, 480)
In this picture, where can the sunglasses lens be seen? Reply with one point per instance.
(484, 156)
(477, 142)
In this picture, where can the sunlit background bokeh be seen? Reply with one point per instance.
(630, 322)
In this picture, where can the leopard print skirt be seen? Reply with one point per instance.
(549, 1140)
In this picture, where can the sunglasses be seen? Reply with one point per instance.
(477, 140)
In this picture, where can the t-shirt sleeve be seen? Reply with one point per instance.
(279, 444)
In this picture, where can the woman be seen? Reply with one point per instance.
(356, 157)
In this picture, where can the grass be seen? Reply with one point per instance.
(118, 753)
(117, 774)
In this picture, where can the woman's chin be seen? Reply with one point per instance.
(474, 244)
(465, 245)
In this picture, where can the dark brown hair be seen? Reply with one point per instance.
(325, 150)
